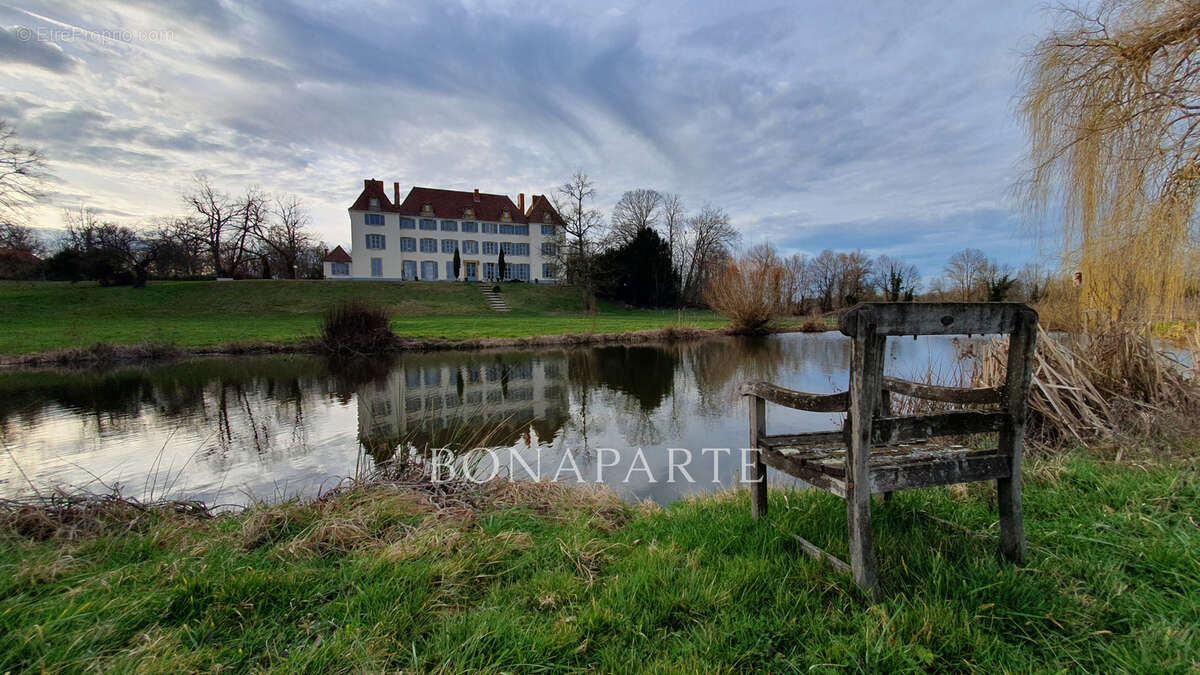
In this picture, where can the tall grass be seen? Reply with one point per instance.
(355, 327)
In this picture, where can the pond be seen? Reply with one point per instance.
(235, 430)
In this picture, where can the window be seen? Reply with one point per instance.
(450, 270)
(408, 224)
(470, 226)
(518, 271)
(376, 267)
(376, 241)
(428, 224)
(448, 245)
(504, 216)
(410, 269)
(469, 213)
(548, 271)
(488, 228)
(489, 248)
(340, 269)
(548, 230)
(408, 243)
(470, 247)
(506, 228)
(427, 209)
(549, 248)
(429, 270)
(489, 271)
(429, 246)
(373, 218)
(449, 226)
(373, 203)
(510, 248)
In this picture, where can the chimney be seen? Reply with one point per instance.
(396, 191)
(521, 202)
(367, 183)
(477, 195)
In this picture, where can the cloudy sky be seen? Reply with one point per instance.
(886, 126)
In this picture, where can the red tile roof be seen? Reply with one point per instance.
(337, 255)
(372, 188)
(454, 203)
(539, 207)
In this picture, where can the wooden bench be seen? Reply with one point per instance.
(877, 453)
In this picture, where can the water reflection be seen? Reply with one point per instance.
(234, 429)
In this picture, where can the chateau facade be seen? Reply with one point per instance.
(415, 239)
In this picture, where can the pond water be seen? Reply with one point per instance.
(235, 430)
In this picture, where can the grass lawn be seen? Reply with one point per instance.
(547, 578)
(39, 316)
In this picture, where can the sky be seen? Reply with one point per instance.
(886, 126)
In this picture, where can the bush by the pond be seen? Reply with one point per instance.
(356, 328)
(749, 292)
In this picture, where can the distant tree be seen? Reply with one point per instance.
(286, 237)
(674, 224)
(457, 263)
(218, 215)
(21, 238)
(797, 280)
(109, 253)
(500, 264)
(22, 173)
(854, 275)
(825, 272)
(711, 237)
(581, 224)
(997, 281)
(639, 272)
(637, 209)
(965, 270)
(895, 278)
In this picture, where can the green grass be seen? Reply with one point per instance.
(40, 316)
(538, 581)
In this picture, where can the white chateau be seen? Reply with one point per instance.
(415, 239)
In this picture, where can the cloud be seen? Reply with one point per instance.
(816, 125)
(21, 44)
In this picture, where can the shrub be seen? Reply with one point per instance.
(749, 292)
(356, 328)
(496, 288)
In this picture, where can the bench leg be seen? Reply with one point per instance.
(758, 473)
(1012, 521)
(862, 549)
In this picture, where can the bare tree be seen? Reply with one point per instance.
(22, 172)
(1112, 104)
(635, 210)
(710, 240)
(965, 270)
(16, 237)
(896, 279)
(287, 236)
(253, 209)
(218, 213)
(854, 275)
(825, 272)
(797, 281)
(581, 224)
(674, 220)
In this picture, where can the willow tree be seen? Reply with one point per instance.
(1112, 103)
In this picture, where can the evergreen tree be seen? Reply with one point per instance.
(640, 272)
(457, 263)
(500, 266)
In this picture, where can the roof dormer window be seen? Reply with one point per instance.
(469, 213)
(546, 217)
(373, 203)
(427, 209)
(505, 217)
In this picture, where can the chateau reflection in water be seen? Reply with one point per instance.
(236, 429)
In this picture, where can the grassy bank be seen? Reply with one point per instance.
(43, 316)
(526, 577)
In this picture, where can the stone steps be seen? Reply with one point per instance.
(494, 301)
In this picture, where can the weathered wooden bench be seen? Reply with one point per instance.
(877, 453)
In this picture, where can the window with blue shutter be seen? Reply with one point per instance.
(449, 226)
(373, 218)
(489, 248)
(448, 245)
(450, 269)
(376, 267)
(429, 245)
(375, 241)
(548, 271)
(549, 248)
(548, 230)
(470, 247)
(429, 270)
(408, 243)
(470, 226)
(428, 224)
(340, 269)
(408, 224)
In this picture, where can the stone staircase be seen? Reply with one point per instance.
(494, 301)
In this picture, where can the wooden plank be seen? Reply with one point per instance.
(935, 318)
(1022, 346)
(798, 400)
(962, 395)
(866, 380)
(949, 471)
(758, 473)
(815, 551)
(892, 430)
(809, 474)
(811, 438)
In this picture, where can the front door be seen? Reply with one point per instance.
(472, 270)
